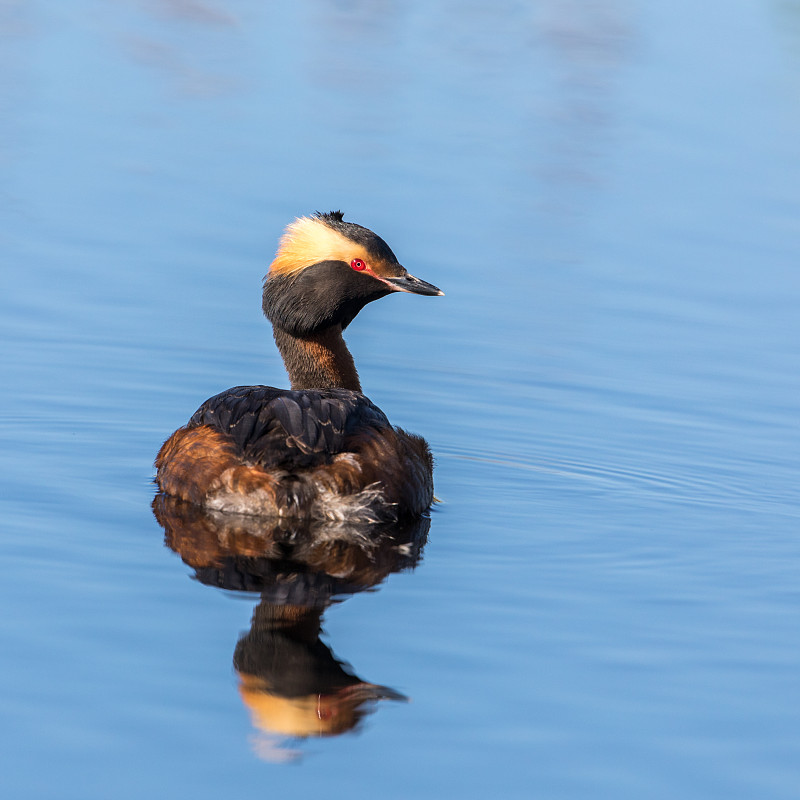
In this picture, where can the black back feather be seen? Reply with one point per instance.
(279, 428)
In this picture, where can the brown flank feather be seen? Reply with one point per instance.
(201, 464)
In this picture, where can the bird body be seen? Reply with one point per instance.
(322, 449)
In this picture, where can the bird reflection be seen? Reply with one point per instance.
(291, 682)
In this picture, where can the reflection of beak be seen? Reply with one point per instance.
(408, 283)
(364, 692)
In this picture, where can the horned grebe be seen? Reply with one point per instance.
(320, 450)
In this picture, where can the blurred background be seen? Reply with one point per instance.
(606, 601)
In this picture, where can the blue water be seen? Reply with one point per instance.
(607, 603)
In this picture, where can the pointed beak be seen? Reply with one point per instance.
(408, 283)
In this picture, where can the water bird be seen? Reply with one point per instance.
(320, 450)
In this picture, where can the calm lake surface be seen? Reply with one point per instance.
(607, 600)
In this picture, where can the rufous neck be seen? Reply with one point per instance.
(318, 361)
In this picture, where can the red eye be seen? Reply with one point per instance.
(357, 264)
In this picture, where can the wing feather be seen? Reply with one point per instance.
(289, 429)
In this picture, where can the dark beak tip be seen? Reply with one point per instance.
(426, 289)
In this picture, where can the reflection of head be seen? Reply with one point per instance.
(292, 683)
(287, 655)
(310, 715)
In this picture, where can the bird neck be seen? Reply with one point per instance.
(319, 360)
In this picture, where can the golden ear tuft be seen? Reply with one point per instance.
(307, 241)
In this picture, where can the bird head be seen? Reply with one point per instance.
(326, 270)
